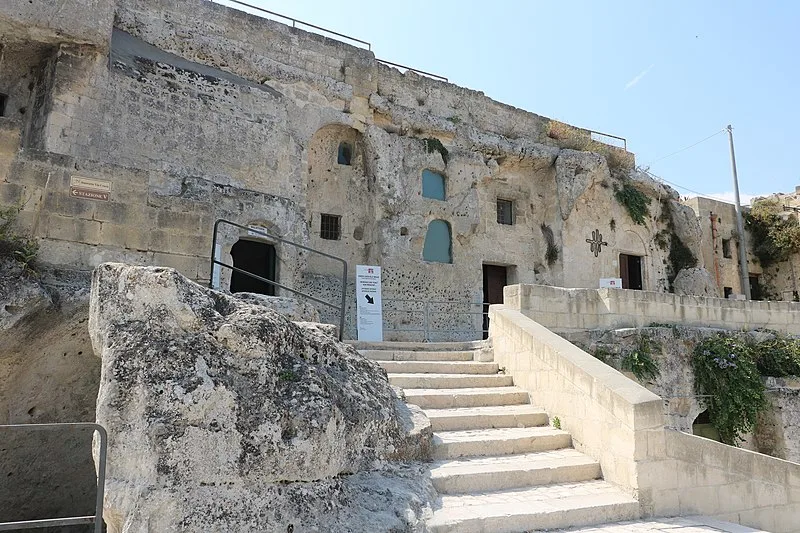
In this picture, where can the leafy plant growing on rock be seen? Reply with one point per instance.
(778, 356)
(556, 422)
(640, 361)
(13, 246)
(727, 375)
(551, 254)
(635, 201)
(775, 238)
(432, 144)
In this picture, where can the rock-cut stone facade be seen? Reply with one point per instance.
(126, 141)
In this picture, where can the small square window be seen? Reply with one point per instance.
(726, 248)
(3, 101)
(727, 291)
(505, 212)
(330, 227)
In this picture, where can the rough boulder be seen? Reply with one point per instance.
(695, 282)
(223, 415)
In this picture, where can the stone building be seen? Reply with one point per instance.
(720, 250)
(126, 134)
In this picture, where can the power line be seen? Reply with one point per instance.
(686, 148)
(698, 193)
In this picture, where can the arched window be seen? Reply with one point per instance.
(345, 154)
(438, 246)
(433, 185)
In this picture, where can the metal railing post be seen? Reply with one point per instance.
(344, 302)
(213, 255)
(97, 519)
(427, 324)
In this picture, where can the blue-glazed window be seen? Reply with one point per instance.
(433, 185)
(438, 244)
(344, 155)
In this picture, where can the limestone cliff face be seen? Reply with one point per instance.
(225, 416)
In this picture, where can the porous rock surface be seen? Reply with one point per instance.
(292, 308)
(695, 282)
(225, 416)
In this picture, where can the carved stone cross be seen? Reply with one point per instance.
(596, 242)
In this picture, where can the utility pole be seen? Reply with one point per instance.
(744, 275)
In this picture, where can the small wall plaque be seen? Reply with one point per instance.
(89, 188)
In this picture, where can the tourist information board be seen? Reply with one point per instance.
(369, 305)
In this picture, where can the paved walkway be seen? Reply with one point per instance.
(693, 524)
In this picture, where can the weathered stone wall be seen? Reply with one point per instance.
(724, 269)
(203, 112)
(85, 21)
(778, 430)
(586, 309)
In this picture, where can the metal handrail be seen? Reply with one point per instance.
(623, 139)
(341, 307)
(427, 313)
(412, 69)
(326, 30)
(296, 21)
(97, 519)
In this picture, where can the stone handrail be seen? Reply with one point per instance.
(620, 423)
(582, 309)
(610, 417)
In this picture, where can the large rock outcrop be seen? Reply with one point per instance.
(225, 416)
(695, 282)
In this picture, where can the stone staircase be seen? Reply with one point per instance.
(499, 466)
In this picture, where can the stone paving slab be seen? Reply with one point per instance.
(690, 524)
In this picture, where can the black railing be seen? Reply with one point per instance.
(261, 233)
(97, 519)
(295, 21)
(424, 318)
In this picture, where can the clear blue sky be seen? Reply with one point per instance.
(662, 74)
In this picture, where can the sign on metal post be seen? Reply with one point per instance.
(369, 304)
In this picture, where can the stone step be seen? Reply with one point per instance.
(504, 416)
(449, 381)
(418, 346)
(439, 367)
(533, 509)
(502, 441)
(466, 397)
(513, 471)
(409, 355)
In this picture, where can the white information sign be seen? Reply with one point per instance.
(611, 283)
(369, 305)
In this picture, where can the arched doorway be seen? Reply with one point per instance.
(258, 258)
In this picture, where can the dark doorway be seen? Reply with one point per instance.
(755, 289)
(630, 270)
(258, 258)
(494, 279)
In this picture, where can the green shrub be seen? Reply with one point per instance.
(775, 238)
(432, 144)
(18, 248)
(635, 201)
(727, 375)
(640, 361)
(777, 357)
